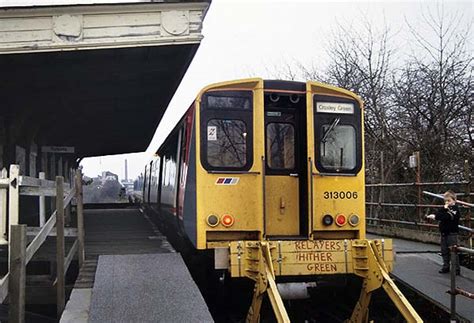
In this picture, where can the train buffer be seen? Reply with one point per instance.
(416, 267)
(261, 261)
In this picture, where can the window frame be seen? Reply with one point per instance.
(207, 142)
(286, 169)
(355, 142)
(324, 118)
(245, 115)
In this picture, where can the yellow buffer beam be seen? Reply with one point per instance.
(265, 282)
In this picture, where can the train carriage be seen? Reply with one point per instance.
(269, 175)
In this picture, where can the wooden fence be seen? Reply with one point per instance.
(20, 252)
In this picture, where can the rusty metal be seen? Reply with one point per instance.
(466, 250)
(421, 224)
(416, 184)
(418, 180)
(440, 196)
(411, 205)
(454, 291)
(453, 283)
(464, 293)
(467, 192)
(405, 205)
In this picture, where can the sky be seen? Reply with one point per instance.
(255, 38)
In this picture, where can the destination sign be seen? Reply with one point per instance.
(58, 149)
(334, 107)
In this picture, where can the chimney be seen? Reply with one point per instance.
(126, 171)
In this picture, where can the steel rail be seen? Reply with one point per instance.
(464, 293)
(466, 250)
(404, 204)
(415, 184)
(440, 196)
(421, 224)
(454, 267)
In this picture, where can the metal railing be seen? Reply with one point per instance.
(13, 283)
(465, 228)
(465, 204)
(418, 205)
(415, 184)
(419, 224)
(440, 196)
(454, 290)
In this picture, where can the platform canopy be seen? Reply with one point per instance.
(94, 77)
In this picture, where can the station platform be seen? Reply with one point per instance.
(131, 274)
(416, 267)
(146, 288)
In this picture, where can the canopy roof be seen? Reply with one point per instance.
(97, 77)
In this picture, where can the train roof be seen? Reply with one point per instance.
(285, 85)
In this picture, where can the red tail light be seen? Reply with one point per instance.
(341, 220)
(227, 220)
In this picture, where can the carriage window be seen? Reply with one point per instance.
(229, 100)
(338, 147)
(226, 130)
(226, 143)
(281, 146)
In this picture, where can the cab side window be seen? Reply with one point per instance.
(226, 143)
(226, 130)
(338, 149)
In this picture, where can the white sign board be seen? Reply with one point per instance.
(211, 133)
(58, 149)
(334, 107)
(412, 161)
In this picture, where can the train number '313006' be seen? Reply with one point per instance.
(336, 195)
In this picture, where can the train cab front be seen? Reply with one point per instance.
(282, 161)
(280, 184)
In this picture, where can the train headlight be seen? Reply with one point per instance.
(212, 220)
(354, 220)
(328, 220)
(341, 220)
(227, 220)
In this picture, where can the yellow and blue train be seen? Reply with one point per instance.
(270, 174)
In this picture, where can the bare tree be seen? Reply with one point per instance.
(361, 62)
(434, 97)
(421, 103)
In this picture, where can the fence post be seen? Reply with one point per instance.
(80, 217)
(467, 217)
(453, 250)
(418, 181)
(14, 195)
(42, 204)
(3, 210)
(17, 281)
(60, 292)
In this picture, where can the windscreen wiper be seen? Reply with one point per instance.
(330, 129)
